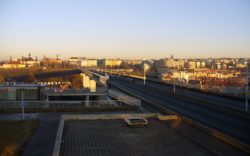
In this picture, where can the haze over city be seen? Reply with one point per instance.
(125, 29)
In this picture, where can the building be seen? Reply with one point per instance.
(109, 63)
(132, 62)
(24, 62)
(89, 63)
(191, 65)
(12, 65)
(164, 65)
(11, 91)
(82, 62)
(29, 61)
(51, 62)
(76, 61)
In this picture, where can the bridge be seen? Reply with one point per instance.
(99, 78)
(222, 115)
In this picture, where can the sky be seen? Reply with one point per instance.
(129, 29)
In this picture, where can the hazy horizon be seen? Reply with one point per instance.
(125, 29)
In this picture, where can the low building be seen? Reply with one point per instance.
(12, 65)
(11, 91)
(24, 62)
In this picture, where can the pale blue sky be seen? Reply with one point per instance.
(125, 28)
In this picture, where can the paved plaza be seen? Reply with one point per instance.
(114, 137)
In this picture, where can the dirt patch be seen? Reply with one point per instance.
(14, 135)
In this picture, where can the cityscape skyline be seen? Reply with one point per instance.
(125, 29)
(124, 77)
(57, 56)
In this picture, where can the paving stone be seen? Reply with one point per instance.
(114, 137)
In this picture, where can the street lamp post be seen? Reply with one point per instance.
(111, 66)
(22, 104)
(144, 74)
(174, 77)
(174, 85)
(246, 94)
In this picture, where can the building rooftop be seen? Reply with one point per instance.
(114, 137)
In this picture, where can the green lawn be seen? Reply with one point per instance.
(13, 136)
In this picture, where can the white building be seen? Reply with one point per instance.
(89, 63)
(75, 61)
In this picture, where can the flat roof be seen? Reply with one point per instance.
(115, 137)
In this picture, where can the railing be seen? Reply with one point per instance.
(58, 91)
(60, 104)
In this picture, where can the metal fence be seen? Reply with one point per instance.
(58, 91)
(60, 104)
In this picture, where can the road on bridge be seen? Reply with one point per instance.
(231, 124)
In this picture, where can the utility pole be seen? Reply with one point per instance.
(246, 94)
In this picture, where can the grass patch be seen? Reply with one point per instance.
(14, 135)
